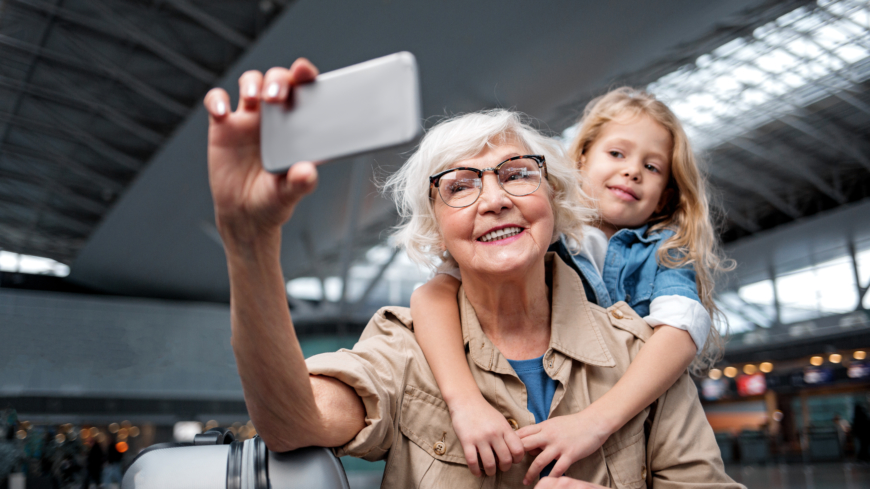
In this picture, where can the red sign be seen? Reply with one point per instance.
(751, 385)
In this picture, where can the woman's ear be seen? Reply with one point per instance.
(581, 162)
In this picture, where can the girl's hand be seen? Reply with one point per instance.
(482, 430)
(249, 201)
(564, 438)
(565, 483)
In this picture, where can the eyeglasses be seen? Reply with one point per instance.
(518, 176)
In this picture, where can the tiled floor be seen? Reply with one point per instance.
(818, 476)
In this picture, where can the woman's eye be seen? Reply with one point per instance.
(616, 154)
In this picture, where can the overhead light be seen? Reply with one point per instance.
(817, 360)
(715, 374)
(835, 358)
(749, 369)
(730, 372)
(859, 355)
(766, 367)
(799, 58)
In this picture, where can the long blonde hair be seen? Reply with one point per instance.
(687, 211)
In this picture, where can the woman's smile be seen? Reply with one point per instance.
(502, 235)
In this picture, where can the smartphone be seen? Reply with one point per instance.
(364, 107)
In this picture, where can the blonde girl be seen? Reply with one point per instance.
(653, 247)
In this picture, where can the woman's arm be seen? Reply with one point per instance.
(289, 408)
(479, 427)
(658, 364)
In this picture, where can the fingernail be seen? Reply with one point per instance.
(220, 108)
(272, 91)
(252, 90)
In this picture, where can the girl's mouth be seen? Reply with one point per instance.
(623, 193)
(501, 234)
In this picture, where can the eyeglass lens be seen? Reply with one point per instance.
(517, 177)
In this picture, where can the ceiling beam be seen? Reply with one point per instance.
(64, 221)
(78, 99)
(62, 192)
(51, 157)
(749, 184)
(796, 165)
(742, 221)
(211, 23)
(97, 66)
(76, 134)
(120, 28)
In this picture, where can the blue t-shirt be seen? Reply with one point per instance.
(540, 389)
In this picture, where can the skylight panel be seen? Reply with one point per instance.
(801, 57)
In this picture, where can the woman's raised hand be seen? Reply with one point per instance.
(249, 201)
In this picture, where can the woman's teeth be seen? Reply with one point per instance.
(500, 234)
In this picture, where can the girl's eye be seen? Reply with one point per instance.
(616, 154)
(652, 168)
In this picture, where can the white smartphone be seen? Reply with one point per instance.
(364, 107)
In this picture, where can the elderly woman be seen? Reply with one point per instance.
(492, 194)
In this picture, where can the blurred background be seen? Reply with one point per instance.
(114, 316)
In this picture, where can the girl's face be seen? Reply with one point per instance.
(627, 169)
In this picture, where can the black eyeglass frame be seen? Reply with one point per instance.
(435, 180)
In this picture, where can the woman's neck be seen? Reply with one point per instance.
(514, 313)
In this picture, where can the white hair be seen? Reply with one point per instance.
(463, 137)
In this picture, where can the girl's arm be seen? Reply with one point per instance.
(659, 364)
(479, 427)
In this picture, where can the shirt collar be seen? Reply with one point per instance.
(574, 331)
(640, 234)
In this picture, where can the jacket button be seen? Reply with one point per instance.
(627, 297)
(615, 313)
(440, 448)
(643, 472)
(514, 425)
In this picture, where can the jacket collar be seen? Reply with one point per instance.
(574, 331)
(626, 234)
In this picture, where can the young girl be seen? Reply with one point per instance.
(654, 247)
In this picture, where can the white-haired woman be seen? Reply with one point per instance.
(490, 193)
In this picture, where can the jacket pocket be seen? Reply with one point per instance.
(426, 422)
(626, 461)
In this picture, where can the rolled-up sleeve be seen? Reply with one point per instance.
(375, 369)
(682, 452)
(682, 313)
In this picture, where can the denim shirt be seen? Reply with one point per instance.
(631, 271)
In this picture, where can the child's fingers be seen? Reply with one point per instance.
(487, 459)
(538, 465)
(561, 466)
(217, 103)
(471, 459)
(276, 85)
(505, 457)
(528, 430)
(250, 84)
(532, 442)
(515, 445)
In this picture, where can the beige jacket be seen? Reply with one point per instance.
(407, 422)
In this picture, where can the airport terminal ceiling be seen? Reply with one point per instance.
(102, 137)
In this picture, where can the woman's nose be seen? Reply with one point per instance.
(493, 198)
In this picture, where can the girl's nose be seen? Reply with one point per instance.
(632, 172)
